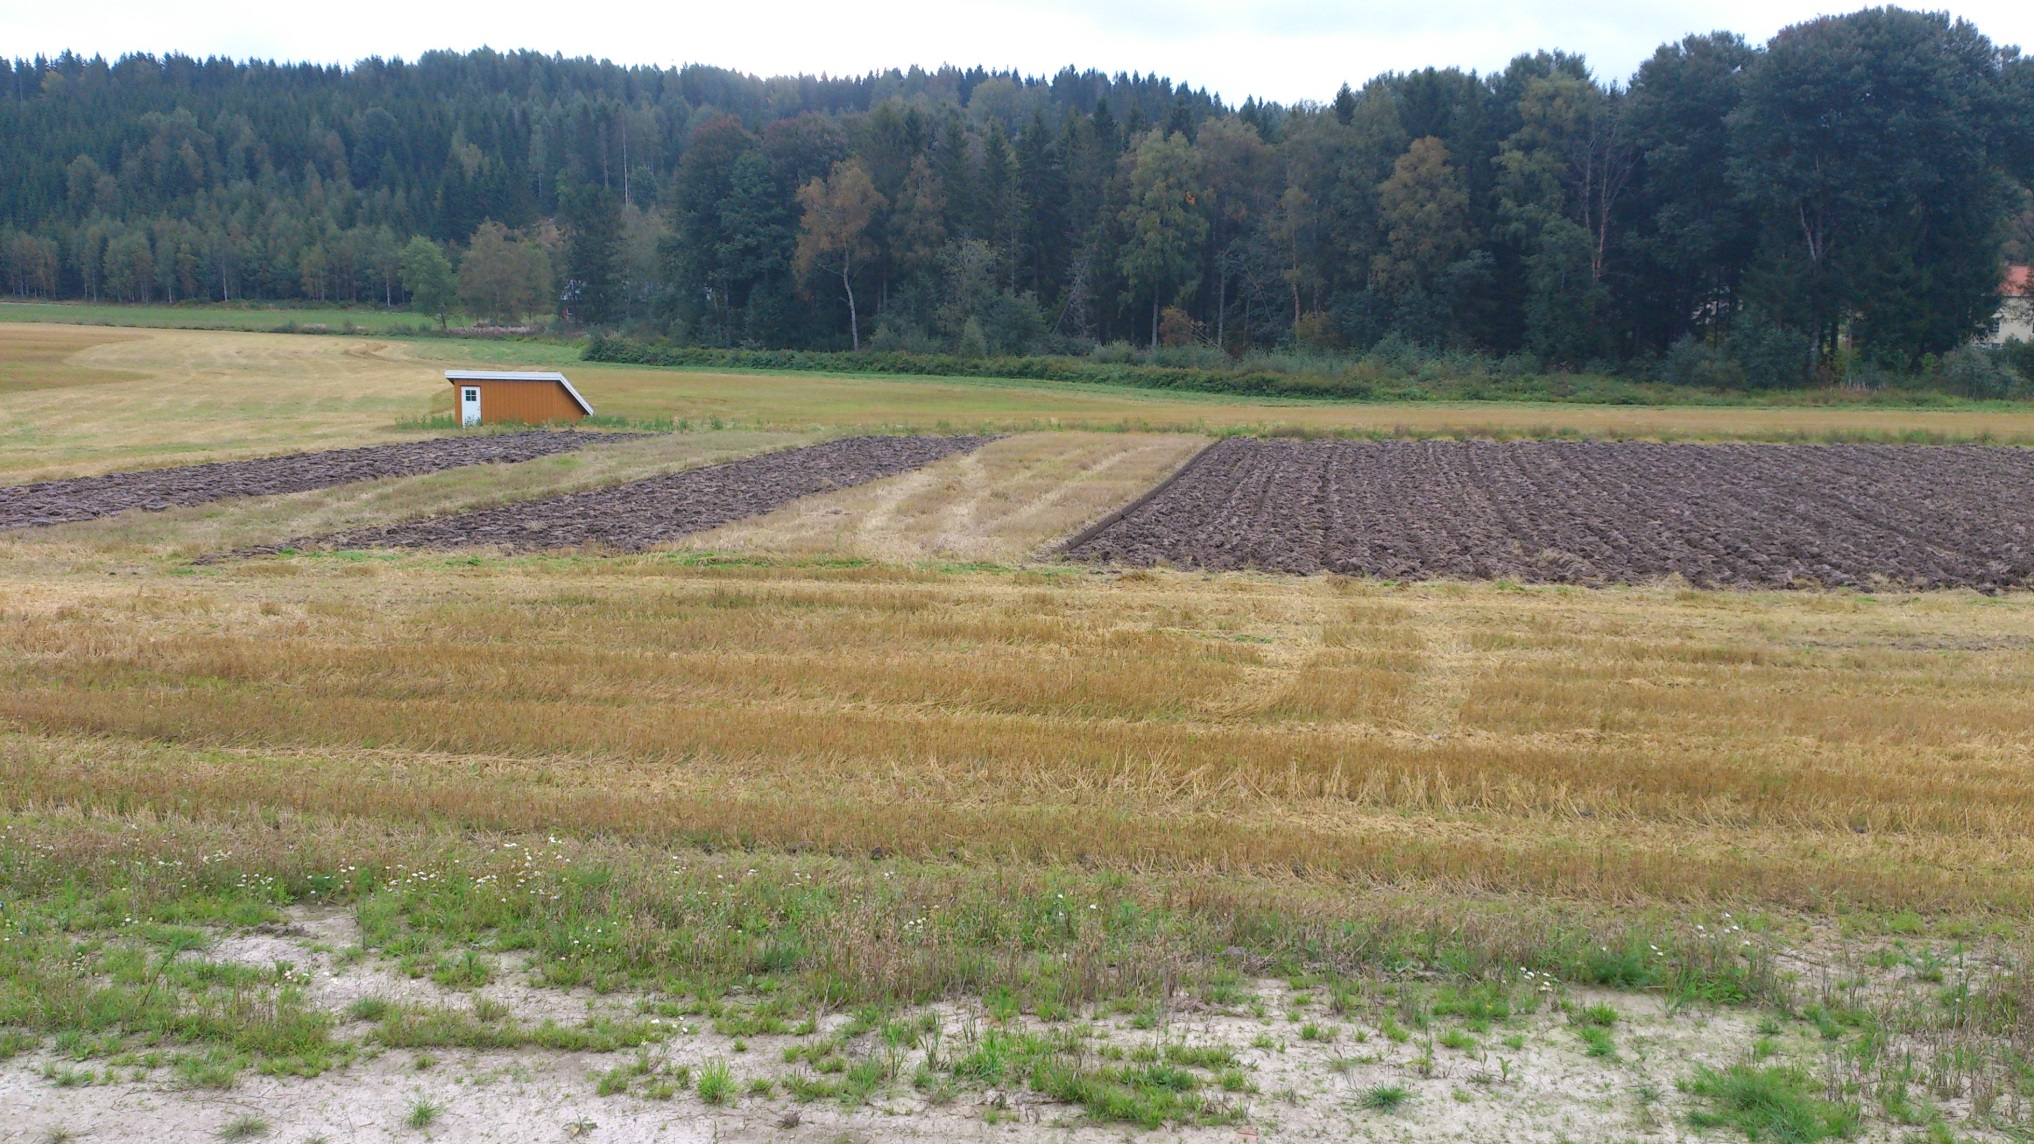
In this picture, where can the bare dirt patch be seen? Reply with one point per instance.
(640, 514)
(86, 498)
(1726, 515)
(1280, 1062)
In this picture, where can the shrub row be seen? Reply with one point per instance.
(1353, 384)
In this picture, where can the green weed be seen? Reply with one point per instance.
(1385, 1097)
(1597, 1041)
(1772, 1103)
(423, 1113)
(244, 1127)
(716, 1082)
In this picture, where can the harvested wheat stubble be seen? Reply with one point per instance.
(85, 498)
(631, 517)
(1738, 515)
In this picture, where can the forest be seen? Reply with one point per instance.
(1837, 203)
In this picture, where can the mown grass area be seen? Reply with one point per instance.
(1418, 378)
(1792, 750)
(86, 399)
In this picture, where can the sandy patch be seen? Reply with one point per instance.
(1306, 1072)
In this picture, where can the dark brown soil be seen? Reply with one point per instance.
(1594, 513)
(631, 517)
(84, 498)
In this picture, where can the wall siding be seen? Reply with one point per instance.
(529, 401)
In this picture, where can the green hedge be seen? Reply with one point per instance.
(1252, 383)
(1439, 378)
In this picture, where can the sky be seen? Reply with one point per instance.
(1284, 50)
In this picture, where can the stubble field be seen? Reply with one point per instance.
(894, 824)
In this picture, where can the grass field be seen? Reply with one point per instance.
(875, 762)
(189, 395)
(252, 318)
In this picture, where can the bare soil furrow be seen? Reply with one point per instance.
(87, 498)
(637, 515)
(1739, 515)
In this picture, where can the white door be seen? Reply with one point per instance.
(469, 405)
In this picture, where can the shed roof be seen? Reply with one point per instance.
(458, 375)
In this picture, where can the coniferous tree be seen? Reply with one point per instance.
(1539, 208)
(594, 269)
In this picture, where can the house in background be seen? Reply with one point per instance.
(2016, 308)
(487, 397)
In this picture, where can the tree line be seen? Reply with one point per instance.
(1731, 215)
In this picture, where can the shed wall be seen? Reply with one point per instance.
(528, 401)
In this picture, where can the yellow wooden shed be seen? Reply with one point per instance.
(486, 397)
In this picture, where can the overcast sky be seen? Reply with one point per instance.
(1279, 49)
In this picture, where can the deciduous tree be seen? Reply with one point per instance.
(1165, 223)
(503, 278)
(833, 235)
(1424, 210)
(428, 280)
(1876, 150)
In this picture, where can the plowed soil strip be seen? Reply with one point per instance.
(84, 498)
(631, 517)
(1737, 515)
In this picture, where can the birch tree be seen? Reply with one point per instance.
(833, 236)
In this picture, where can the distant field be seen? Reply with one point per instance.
(81, 400)
(210, 317)
(878, 813)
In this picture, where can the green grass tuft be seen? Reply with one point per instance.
(1597, 1041)
(1386, 1097)
(423, 1113)
(1600, 1014)
(716, 1082)
(1774, 1103)
(244, 1127)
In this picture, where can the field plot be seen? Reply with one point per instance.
(205, 530)
(85, 498)
(1786, 750)
(1075, 813)
(637, 515)
(1003, 502)
(1595, 513)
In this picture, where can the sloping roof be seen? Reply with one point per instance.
(2016, 284)
(458, 375)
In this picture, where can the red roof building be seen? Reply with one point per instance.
(2015, 316)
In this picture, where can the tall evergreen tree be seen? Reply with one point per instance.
(594, 271)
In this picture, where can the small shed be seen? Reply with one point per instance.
(488, 396)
